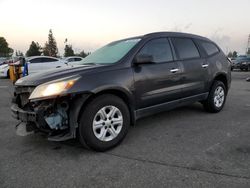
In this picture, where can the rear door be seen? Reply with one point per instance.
(157, 82)
(193, 66)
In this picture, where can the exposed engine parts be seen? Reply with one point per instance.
(58, 119)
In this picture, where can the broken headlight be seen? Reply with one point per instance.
(53, 88)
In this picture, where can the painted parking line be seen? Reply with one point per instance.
(2, 87)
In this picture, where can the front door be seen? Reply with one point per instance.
(157, 82)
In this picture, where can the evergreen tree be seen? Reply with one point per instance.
(19, 53)
(50, 47)
(230, 55)
(83, 54)
(68, 51)
(5, 50)
(34, 49)
(235, 54)
(248, 52)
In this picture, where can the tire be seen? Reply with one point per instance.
(215, 102)
(99, 109)
(248, 68)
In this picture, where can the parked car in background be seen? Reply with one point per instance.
(241, 62)
(4, 67)
(3, 60)
(245, 65)
(120, 83)
(73, 60)
(4, 70)
(43, 63)
(36, 64)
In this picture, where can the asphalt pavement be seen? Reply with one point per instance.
(185, 147)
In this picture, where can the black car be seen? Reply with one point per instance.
(120, 83)
(242, 63)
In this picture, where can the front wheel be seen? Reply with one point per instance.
(216, 98)
(104, 122)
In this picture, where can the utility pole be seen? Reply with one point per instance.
(248, 46)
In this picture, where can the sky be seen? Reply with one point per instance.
(89, 24)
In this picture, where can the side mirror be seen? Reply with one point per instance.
(143, 59)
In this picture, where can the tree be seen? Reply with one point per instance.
(68, 51)
(34, 49)
(230, 55)
(83, 54)
(19, 53)
(5, 50)
(235, 54)
(248, 51)
(50, 47)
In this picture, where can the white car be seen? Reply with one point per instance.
(2, 60)
(36, 64)
(4, 70)
(72, 60)
(43, 63)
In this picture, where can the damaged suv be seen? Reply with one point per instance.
(119, 83)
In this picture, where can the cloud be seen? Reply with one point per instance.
(224, 41)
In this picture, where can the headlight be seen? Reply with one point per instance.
(53, 88)
(244, 63)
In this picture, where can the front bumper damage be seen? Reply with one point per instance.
(56, 117)
(24, 116)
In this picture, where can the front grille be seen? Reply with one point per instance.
(22, 94)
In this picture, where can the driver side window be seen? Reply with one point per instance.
(159, 49)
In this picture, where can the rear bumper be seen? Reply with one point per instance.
(23, 115)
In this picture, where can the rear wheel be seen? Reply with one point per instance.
(216, 98)
(104, 122)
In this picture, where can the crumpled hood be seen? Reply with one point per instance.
(54, 74)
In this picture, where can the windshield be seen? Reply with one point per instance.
(241, 59)
(111, 53)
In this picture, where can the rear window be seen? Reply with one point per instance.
(45, 59)
(78, 59)
(36, 60)
(185, 48)
(210, 48)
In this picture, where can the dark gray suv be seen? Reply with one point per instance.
(119, 83)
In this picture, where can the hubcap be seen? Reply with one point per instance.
(107, 123)
(219, 97)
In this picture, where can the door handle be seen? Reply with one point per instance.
(174, 70)
(204, 65)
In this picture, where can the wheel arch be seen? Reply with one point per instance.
(119, 92)
(223, 78)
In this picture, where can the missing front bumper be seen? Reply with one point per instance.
(24, 116)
